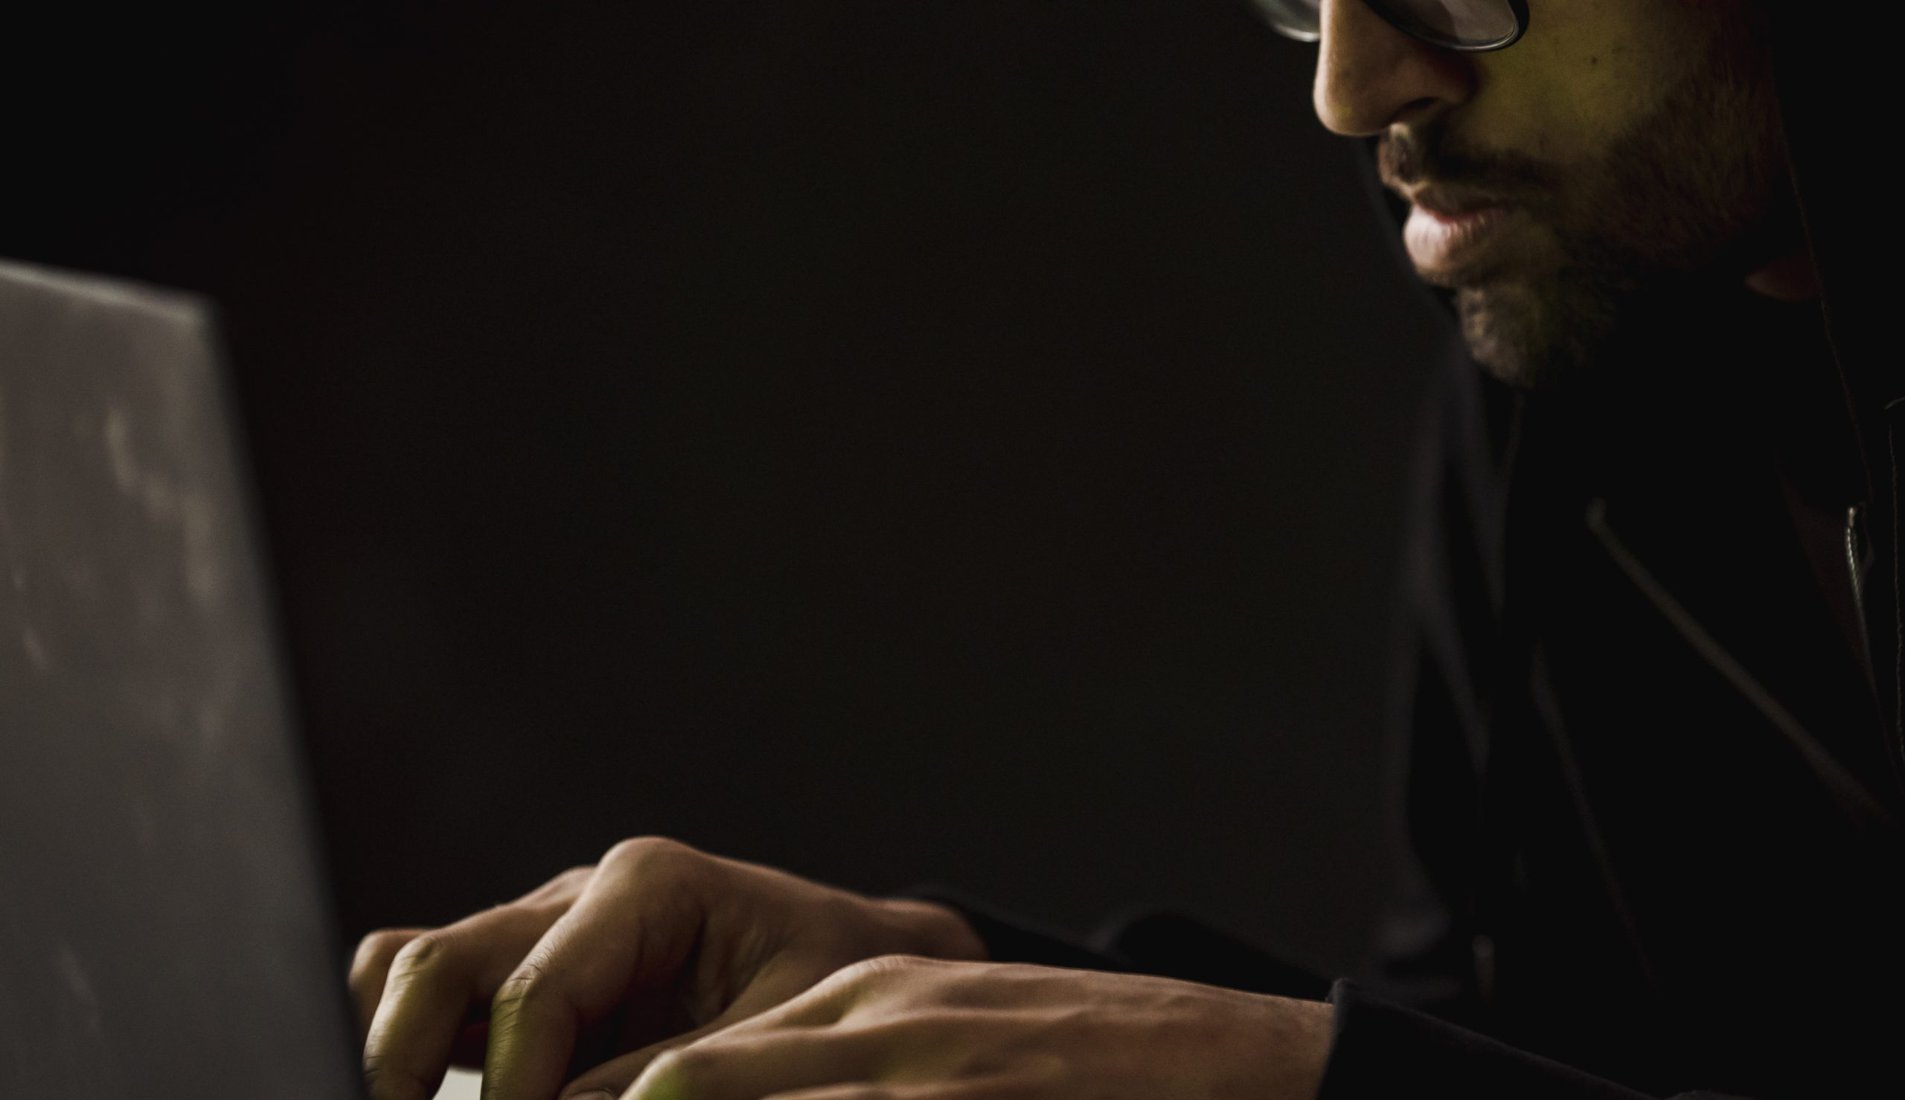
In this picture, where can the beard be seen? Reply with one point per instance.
(1692, 196)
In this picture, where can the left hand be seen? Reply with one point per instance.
(926, 1029)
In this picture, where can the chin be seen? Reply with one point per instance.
(1531, 337)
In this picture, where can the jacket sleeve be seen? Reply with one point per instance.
(1379, 1048)
(1383, 1049)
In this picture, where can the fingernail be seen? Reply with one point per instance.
(598, 1094)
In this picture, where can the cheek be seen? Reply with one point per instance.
(1584, 75)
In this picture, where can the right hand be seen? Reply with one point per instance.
(652, 948)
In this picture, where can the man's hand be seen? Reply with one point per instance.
(931, 1030)
(655, 946)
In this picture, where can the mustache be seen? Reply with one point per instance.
(1408, 159)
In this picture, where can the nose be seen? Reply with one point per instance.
(1369, 74)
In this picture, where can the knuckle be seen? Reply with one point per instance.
(879, 967)
(385, 1076)
(649, 856)
(528, 984)
(375, 951)
(677, 1070)
(641, 849)
(591, 1085)
(429, 951)
(559, 890)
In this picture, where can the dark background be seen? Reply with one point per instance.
(950, 439)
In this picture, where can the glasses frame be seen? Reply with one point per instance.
(1397, 15)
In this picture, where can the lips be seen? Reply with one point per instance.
(1451, 246)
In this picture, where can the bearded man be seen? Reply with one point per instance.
(1650, 703)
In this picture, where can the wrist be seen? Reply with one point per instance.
(1302, 1035)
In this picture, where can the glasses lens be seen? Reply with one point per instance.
(1298, 19)
(1456, 24)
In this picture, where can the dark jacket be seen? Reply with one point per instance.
(1651, 774)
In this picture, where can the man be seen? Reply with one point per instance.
(1654, 768)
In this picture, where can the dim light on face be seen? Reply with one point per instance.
(1619, 149)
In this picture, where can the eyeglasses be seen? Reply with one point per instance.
(1471, 26)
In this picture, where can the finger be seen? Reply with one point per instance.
(370, 966)
(613, 1077)
(747, 1066)
(986, 1088)
(435, 985)
(865, 1092)
(447, 978)
(923, 1055)
(834, 996)
(809, 1043)
(625, 939)
(775, 986)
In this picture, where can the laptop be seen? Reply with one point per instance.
(164, 926)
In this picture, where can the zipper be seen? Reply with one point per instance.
(1855, 553)
(1854, 556)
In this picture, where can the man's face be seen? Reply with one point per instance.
(1619, 149)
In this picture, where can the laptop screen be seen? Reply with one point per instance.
(164, 930)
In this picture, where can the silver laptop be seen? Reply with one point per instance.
(164, 929)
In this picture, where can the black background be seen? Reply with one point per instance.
(951, 439)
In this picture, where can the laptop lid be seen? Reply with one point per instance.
(164, 930)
